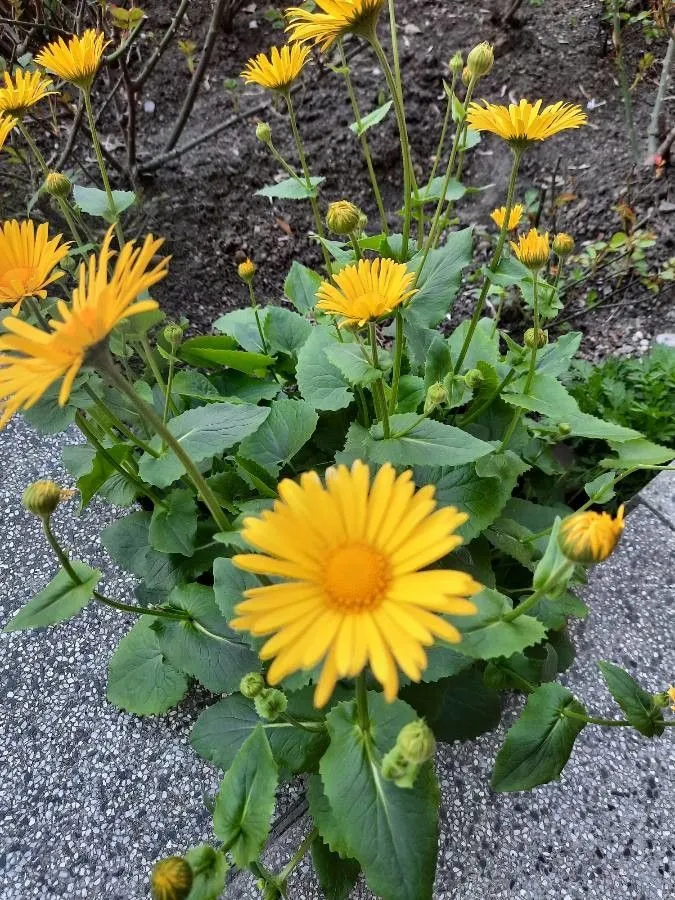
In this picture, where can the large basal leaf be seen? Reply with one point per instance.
(128, 542)
(391, 831)
(173, 527)
(140, 680)
(486, 635)
(429, 443)
(202, 433)
(637, 704)
(300, 287)
(289, 426)
(638, 452)
(241, 325)
(440, 279)
(285, 330)
(538, 746)
(245, 801)
(337, 876)
(320, 382)
(206, 649)
(324, 818)
(209, 868)
(60, 600)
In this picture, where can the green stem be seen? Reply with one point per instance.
(157, 611)
(254, 307)
(119, 424)
(299, 854)
(444, 129)
(418, 421)
(35, 310)
(494, 261)
(399, 344)
(533, 357)
(362, 713)
(313, 727)
(471, 417)
(157, 375)
(378, 386)
(524, 606)
(61, 555)
(595, 720)
(169, 386)
(106, 365)
(101, 165)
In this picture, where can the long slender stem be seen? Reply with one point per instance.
(623, 80)
(254, 307)
(102, 167)
(524, 606)
(156, 611)
(535, 342)
(378, 386)
(362, 703)
(154, 368)
(399, 344)
(169, 386)
(299, 854)
(119, 424)
(61, 555)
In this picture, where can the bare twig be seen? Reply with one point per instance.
(667, 142)
(23, 24)
(653, 131)
(161, 47)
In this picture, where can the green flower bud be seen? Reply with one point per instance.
(661, 700)
(474, 378)
(58, 185)
(436, 396)
(343, 217)
(563, 244)
(394, 765)
(270, 703)
(536, 338)
(263, 132)
(456, 64)
(171, 879)
(481, 59)
(173, 334)
(416, 742)
(251, 685)
(466, 76)
(42, 497)
(564, 428)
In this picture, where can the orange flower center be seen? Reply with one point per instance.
(356, 577)
(18, 278)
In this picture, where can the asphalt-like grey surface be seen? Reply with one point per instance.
(90, 796)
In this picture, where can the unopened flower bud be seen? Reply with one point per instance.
(466, 76)
(564, 428)
(263, 132)
(171, 879)
(662, 700)
(474, 378)
(671, 697)
(536, 337)
(394, 765)
(173, 334)
(270, 703)
(251, 685)
(590, 537)
(456, 64)
(436, 396)
(481, 59)
(42, 497)
(416, 742)
(343, 217)
(246, 270)
(58, 185)
(563, 244)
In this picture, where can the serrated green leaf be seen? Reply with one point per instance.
(457, 708)
(291, 189)
(349, 359)
(440, 279)
(637, 704)
(173, 527)
(286, 430)
(229, 584)
(428, 443)
(60, 600)
(300, 287)
(636, 453)
(370, 119)
(321, 383)
(324, 817)
(285, 330)
(337, 876)
(128, 542)
(486, 635)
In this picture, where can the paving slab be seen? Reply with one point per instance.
(659, 496)
(92, 796)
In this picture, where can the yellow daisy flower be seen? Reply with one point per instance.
(590, 537)
(279, 69)
(78, 60)
(522, 123)
(22, 91)
(366, 291)
(336, 19)
(350, 554)
(516, 214)
(31, 360)
(671, 697)
(28, 261)
(171, 879)
(532, 249)
(7, 125)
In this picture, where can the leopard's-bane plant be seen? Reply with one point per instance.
(21, 91)
(76, 60)
(278, 69)
(316, 491)
(29, 261)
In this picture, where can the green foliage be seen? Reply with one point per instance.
(60, 600)
(639, 706)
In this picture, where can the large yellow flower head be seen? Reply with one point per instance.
(77, 61)
(31, 360)
(28, 261)
(353, 595)
(590, 537)
(532, 249)
(366, 291)
(7, 126)
(22, 91)
(278, 70)
(336, 19)
(516, 214)
(525, 122)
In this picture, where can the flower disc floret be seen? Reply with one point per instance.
(349, 554)
(590, 537)
(78, 60)
(23, 90)
(28, 261)
(277, 70)
(525, 122)
(532, 249)
(336, 19)
(366, 291)
(499, 215)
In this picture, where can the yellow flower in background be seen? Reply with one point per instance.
(590, 537)
(7, 125)
(77, 61)
(278, 70)
(671, 697)
(532, 249)
(22, 91)
(522, 123)
(350, 554)
(32, 360)
(336, 19)
(28, 261)
(366, 291)
(171, 879)
(246, 270)
(516, 214)
(563, 244)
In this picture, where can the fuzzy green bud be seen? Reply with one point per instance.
(661, 701)
(42, 497)
(270, 703)
(466, 76)
(263, 132)
(394, 765)
(251, 685)
(564, 428)
(481, 59)
(563, 244)
(456, 64)
(416, 742)
(536, 338)
(171, 879)
(343, 217)
(474, 378)
(436, 396)
(58, 185)
(173, 334)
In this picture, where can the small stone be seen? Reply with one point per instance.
(666, 339)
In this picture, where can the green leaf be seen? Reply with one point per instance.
(94, 202)
(324, 818)
(128, 542)
(429, 443)
(300, 287)
(101, 477)
(349, 359)
(601, 489)
(140, 680)
(484, 346)
(440, 279)
(58, 601)
(190, 383)
(286, 430)
(241, 325)
(291, 189)
(538, 746)
(285, 330)
(222, 729)
(173, 528)
(438, 362)
(320, 382)
(458, 708)
(637, 704)
(245, 801)
(556, 358)
(553, 612)
(391, 831)
(217, 351)
(486, 635)
(336, 876)
(372, 118)
(638, 452)
(209, 867)
(207, 649)
(236, 387)
(229, 584)
(443, 661)
(203, 432)
(411, 393)
(431, 192)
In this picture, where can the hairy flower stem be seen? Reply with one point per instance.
(399, 344)
(114, 215)
(299, 854)
(494, 261)
(106, 365)
(524, 606)
(518, 411)
(362, 713)
(254, 307)
(378, 386)
(363, 139)
(118, 423)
